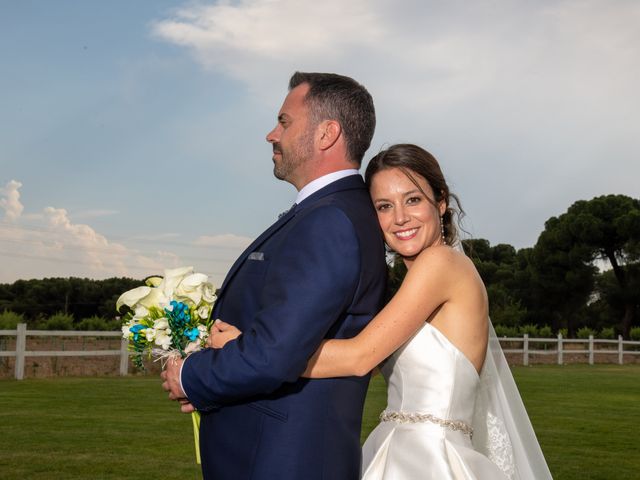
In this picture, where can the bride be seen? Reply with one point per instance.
(453, 410)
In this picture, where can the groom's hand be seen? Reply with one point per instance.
(171, 383)
(185, 406)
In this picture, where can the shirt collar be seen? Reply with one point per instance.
(322, 182)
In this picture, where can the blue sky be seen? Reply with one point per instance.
(132, 133)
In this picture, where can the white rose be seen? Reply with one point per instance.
(204, 333)
(191, 287)
(125, 332)
(172, 278)
(163, 340)
(161, 324)
(208, 293)
(140, 312)
(150, 333)
(192, 347)
(203, 313)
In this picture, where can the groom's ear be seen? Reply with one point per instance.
(329, 132)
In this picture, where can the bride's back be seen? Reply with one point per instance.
(463, 316)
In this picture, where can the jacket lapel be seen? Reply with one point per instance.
(255, 244)
(346, 183)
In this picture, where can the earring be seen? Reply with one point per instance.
(444, 239)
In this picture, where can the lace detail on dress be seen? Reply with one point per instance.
(500, 450)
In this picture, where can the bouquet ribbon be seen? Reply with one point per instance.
(195, 418)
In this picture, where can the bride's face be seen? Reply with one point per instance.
(409, 219)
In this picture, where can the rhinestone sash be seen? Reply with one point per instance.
(402, 417)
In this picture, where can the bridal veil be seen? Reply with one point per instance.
(501, 426)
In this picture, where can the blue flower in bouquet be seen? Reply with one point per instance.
(169, 314)
(178, 314)
(192, 334)
(135, 329)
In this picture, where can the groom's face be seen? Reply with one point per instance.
(292, 137)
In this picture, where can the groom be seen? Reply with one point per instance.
(317, 273)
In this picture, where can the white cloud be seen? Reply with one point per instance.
(58, 247)
(52, 244)
(227, 240)
(268, 28)
(156, 237)
(10, 200)
(421, 53)
(534, 104)
(83, 240)
(257, 40)
(94, 213)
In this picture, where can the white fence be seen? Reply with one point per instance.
(558, 347)
(20, 353)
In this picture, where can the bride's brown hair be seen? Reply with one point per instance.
(411, 159)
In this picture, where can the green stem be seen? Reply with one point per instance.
(195, 418)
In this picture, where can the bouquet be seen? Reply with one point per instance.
(169, 316)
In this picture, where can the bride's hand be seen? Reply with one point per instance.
(220, 333)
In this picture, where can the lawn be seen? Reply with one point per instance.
(586, 418)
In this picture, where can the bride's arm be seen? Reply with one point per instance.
(220, 333)
(426, 287)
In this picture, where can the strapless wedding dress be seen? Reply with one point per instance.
(426, 429)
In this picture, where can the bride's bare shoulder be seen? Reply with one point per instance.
(447, 268)
(442, 258)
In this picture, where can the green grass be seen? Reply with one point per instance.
(93, 428)
(586, 418)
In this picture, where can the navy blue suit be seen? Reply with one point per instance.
(317, 273)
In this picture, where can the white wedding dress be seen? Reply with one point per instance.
(441, 415)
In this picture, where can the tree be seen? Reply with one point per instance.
(613, 301)
(396, 271)
(77, 297)
(499, 267)
(605, 229)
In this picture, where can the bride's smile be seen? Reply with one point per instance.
(406, 234)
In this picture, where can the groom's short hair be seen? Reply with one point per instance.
(336, 97)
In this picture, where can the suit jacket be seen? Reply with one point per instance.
(318, 272)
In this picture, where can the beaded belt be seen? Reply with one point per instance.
(402, 417)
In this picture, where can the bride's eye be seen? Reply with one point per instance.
(383, 206)
(413, 200)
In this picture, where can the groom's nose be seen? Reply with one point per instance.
(273, 135)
